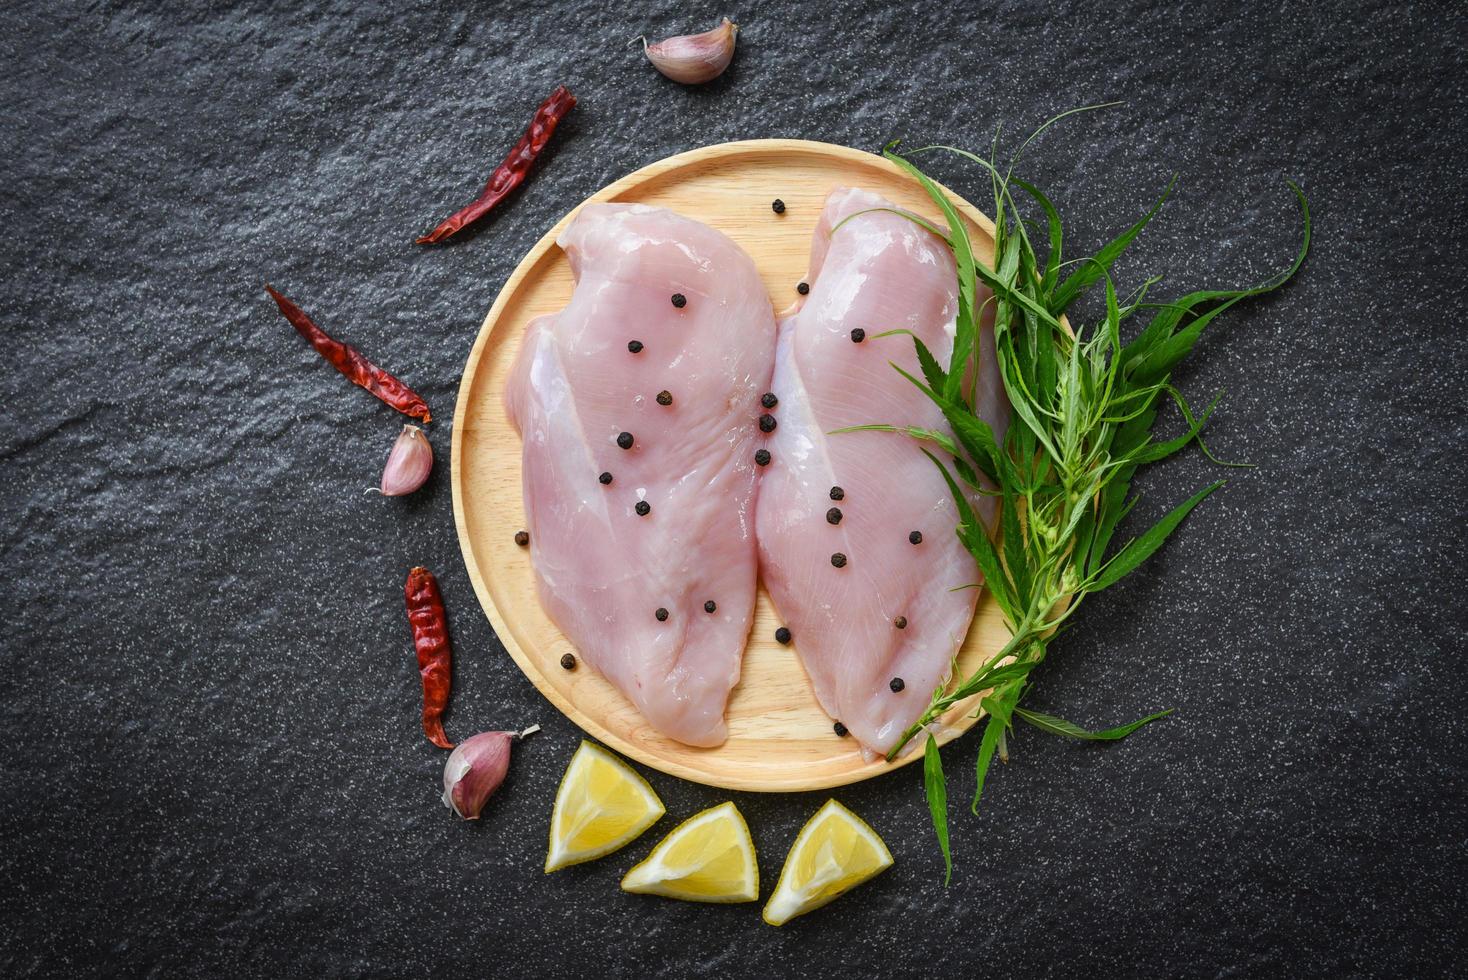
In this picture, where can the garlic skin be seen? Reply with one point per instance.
(693, 59)
(476, 768)
(409, 463)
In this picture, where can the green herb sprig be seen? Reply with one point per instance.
(1084, 408)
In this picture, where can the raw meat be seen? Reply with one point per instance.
(602, 569)
(877, 272)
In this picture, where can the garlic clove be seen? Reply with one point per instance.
(693, 59)
(476, 768)
(409, 463)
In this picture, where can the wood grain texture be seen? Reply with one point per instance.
(779, 738)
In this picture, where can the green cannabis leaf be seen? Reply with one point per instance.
(1084, 406)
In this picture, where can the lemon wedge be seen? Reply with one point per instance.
(707, 858)
(835, 852)
(601, 805)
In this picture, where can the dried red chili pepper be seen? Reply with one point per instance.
(512, 172)
(349, 361)
(431, 640)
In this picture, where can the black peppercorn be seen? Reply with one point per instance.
(839, 560)
(665, 398)
(605, 479)
(522, 538)
(635, 346)
(803, 288)
(679, 300)
(833, 516)
(900, 622)
(897, 684)
(625, 440)
(710, 606)
(782, 636)
(762, 457)
(838, 494)
(858, 335)
(839, 729)
(777, 206)
(915, 537)
(643, 508)
(568, 661)
(768, 400)
(767, 423)
(661, 614)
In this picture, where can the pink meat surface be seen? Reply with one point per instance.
(602, 569)
(878, 272)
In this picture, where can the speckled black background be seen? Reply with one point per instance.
(210, 760)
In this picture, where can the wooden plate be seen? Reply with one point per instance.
(779, 738)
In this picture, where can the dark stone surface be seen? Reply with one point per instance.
(211, 761)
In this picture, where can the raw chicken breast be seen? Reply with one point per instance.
(878, 272)
(603, 570)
